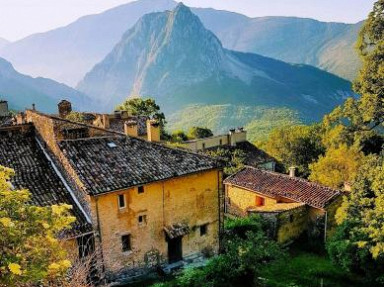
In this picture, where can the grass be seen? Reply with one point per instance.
(307, 270)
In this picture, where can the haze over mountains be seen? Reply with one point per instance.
(3, 43)
(22, 91)
(171, 57)
(68, 53)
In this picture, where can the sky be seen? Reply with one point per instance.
(20, 18)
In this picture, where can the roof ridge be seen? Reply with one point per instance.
(295, 178)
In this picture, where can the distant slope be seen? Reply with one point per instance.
(257, 120)
(329, 46)
(22, 91)
(66, 54)
(171, 56)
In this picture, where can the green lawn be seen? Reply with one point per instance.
(307, 270)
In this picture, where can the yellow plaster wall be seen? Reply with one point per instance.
(191, 199)
(244, 199)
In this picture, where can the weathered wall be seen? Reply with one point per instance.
(210, 142)
(244, 199)
(291, 224)
(47, 129)
(191, 199)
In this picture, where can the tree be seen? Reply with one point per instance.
(178, 136)
(199, 133)
(140, 107)
(335, 168)
(358, 244)
(30, 252)
(234, 160)
(296, 146)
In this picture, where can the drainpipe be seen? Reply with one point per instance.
(99, 231)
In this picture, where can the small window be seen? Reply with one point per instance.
(121, 201)
(203, 145)
(203, 229)
(221, 142)
(142, 219)
(111, 145)
(126, 242)
(140, 189)
(260, 201)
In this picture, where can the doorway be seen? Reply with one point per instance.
(175, 249)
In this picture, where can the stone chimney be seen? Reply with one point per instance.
(237, 136)
(4, 112)
(105, 121)
(33, 107)
(153, 131)
(292, 171)
(131, 128)
(65, 108)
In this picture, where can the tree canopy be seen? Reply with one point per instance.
(30, 252)
(143, 107)
(199, 132)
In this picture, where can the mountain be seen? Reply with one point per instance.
(173, 58)
(22, 91)
(67, 53)
(329, 46)
(3, 43)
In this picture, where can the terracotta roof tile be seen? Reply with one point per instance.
(280, 185)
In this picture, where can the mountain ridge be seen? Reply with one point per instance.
(172, 57)
(22, 91)
(71, 51)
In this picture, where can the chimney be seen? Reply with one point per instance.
(131, 128)
(20, 118)
(4, 112)
(292, 171)
(105, 120)
(65, 108)
(33, 107)
(153, 131)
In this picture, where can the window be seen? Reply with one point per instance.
(121, 201)
(142, 219)
(126, 243)
(221, 142)
(140, 189)
(203, 145)
(260, 201)
(203, 229)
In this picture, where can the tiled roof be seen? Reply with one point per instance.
(112, 163)
(7, 121)
(35, 173)
(280, 185)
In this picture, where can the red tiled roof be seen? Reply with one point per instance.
(280, 185)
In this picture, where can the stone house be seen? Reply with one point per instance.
(144, 204)
(290, 203)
